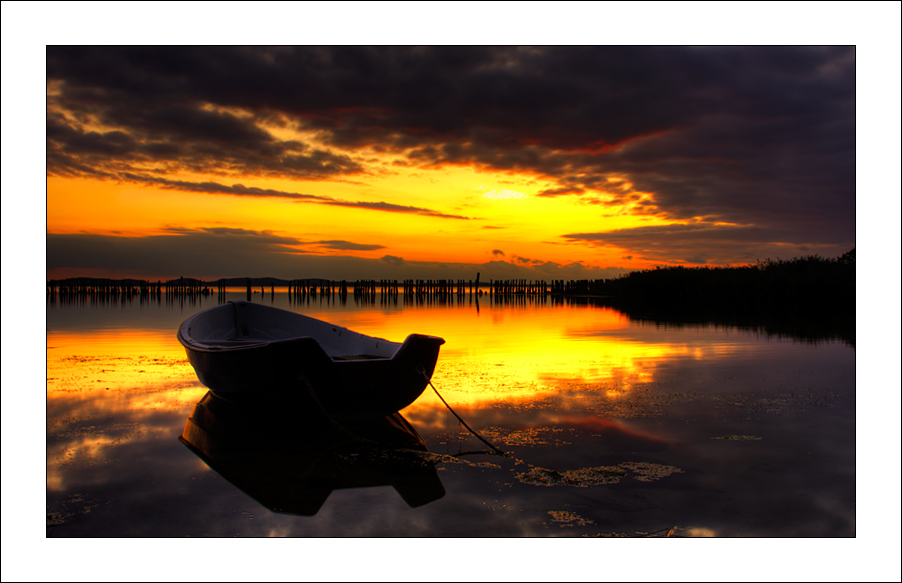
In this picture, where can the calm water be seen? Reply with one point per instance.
(613, 428)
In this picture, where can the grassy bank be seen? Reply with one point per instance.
(811, 296)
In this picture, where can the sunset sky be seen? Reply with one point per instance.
(634, 135)
(549, 162)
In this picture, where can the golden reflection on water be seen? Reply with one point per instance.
(103, 390)
(516, 355)
(519, 356)
(107, 387)
(563, 363)
(82, 363)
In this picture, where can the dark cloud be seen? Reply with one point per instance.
(241, 190)
(394, 208)
(560, 191)
(215, 188)
(264, 236)
(755, 136)
(212, 252)
(209, 251)
(525, 260)
(73, 150)
(159, 124)
(347, 246)
(497, 252)
(392, 260)
(703, 243)
(215, 252)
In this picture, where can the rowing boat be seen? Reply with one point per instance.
(242, 346)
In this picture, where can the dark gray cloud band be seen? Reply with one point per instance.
(211, 253)
(704, 243)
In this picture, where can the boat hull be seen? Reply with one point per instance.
(343, 385)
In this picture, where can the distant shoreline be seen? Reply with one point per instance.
(801, 282)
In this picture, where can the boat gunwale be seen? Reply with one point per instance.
(191, 343)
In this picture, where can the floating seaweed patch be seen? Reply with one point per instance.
(581, 478)
(568, 519)
(440, 458)
(58, 518)
(609, 535)
(650, 472)
(671, 532)
(71, 506)
(595, 476)
(532, 436)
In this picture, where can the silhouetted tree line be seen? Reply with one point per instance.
(810, 296)
(806, 283)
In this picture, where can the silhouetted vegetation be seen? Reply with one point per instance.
(809, 297)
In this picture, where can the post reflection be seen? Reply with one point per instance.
(290, 458)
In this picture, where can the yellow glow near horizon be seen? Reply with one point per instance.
(501, 212)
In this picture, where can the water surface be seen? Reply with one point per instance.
(612, 427)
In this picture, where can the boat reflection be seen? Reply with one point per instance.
(290, 460)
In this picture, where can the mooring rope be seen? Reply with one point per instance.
(470, 429)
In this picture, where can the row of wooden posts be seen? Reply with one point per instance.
(440, 287)
(111, 290)
(301, 289)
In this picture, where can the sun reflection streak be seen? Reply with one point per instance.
(509, 356)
